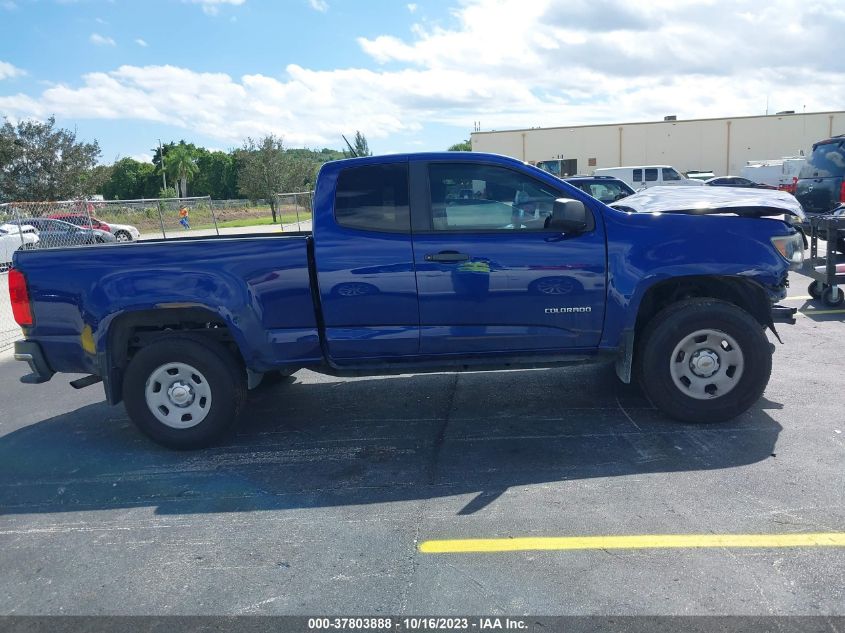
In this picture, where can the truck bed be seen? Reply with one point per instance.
(258, 283)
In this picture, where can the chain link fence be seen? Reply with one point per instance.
(297, 206)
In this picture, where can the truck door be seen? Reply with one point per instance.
(491, 277)
(365, 266)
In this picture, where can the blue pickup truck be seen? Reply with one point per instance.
(418, 263)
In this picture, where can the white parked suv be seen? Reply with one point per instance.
(14, 237)
(645, 176)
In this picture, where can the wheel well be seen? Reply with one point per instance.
(129, 332)
(743, 293)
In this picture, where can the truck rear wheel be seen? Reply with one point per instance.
(704, 360)
(184, 392)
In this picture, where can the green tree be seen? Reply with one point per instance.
(131, 179)
(264, 169)
(215, 176)
(41, 162)
(359, 146)
(180, 163)
(95, 179)
(261, 169)
(463, 146)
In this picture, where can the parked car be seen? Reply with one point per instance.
(56, 233)
(821, 182)
(736, 181)
(645, 176)
(605, 188)
(121, 232)
(14, 237)
(678, 301)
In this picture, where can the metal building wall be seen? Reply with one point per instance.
(721, 145)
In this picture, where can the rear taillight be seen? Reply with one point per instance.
(18, 293)
(842, 192)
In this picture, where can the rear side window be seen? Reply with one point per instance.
(638, 175)
(373, 198)
(651, 175)
(826, 161)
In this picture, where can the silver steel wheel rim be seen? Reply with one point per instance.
(178, 395)
(706, 364)
(122, 237)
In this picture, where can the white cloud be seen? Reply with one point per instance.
(506, 63)
(319, 5)
(143, 157)
(9, 5)
(101, 40)
(8, 71)
(412, 7)
(212, 7)
(141, 42)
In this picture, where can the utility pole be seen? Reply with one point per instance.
(163, 173)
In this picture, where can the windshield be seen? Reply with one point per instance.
(826, 161)
(606, 191)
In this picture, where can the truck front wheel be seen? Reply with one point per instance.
(185, 391)
(704, 360)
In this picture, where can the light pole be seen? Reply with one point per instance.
(163, 173)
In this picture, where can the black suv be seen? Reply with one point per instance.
(821, 182)
(607, 189)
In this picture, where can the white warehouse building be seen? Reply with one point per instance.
(723, 146)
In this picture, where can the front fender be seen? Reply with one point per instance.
(645, 250)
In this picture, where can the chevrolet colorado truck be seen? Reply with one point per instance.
(420, 263)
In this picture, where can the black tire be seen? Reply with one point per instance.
(225, 377)
(122, 236)
(815, 290)
(832, 301)
(676, 322)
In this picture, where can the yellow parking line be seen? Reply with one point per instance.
(808, 312)
(801, 298)
(640, 541)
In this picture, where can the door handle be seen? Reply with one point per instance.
(447, 257)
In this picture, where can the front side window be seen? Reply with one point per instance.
(670, 174)
(651, 175)
(373, 198)
(467, 197)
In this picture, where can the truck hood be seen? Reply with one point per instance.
(756, 203)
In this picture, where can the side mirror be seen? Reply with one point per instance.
(570, 216)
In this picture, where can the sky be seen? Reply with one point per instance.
(410, 76)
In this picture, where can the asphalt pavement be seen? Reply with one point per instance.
(321, 502)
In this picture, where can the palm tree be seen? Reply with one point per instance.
(181, 164)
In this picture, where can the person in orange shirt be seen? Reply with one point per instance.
(183, 217)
